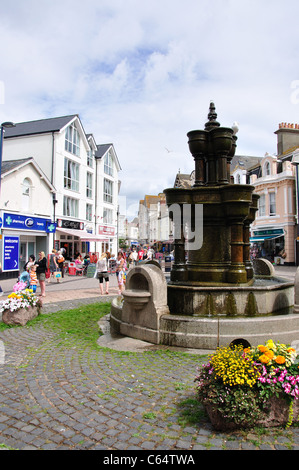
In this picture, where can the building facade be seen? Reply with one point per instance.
(83, 174)
(26, 214)
(274, 228)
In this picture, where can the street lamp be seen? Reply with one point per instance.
(6, 124)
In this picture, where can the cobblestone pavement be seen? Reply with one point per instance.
(55, 397)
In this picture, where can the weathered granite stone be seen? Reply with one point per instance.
(19, 317)
(278, 415)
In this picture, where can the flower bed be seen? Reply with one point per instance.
(20, 307)
(245, 387)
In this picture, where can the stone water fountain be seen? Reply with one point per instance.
(214, 295)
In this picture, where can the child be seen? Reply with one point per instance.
(33, 278)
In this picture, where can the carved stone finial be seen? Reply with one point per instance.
(212, 116)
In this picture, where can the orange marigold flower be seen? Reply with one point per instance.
(269, 354)
(280, 360)
(291, 350)
(264, 359)
(262, 348)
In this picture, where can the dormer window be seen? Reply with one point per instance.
(267, 169)
(72, 140)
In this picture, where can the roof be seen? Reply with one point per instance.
(183, 181)
(244, 162)
(102, 149)
(9, 166)
(41, 126)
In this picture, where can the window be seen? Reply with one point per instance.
(89, 185)
(72, 140)
(89, 212)
(262, 205)
(108, 190)
(71, 175)
(108, 164)
(90, 159)
(272, 203)
(267, 169)
(107, 216)
(70, 206)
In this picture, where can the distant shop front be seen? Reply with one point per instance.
(271, 244)
(74, 238)
(22, 236)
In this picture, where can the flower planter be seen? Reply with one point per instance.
(20, 316)
(278, 415)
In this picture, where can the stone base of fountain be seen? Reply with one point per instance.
(219, 315)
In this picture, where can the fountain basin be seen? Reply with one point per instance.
(137, 298)
(210, 333)
(266, 296)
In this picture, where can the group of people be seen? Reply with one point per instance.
(102, 268)
(37, 270)
(45, 268)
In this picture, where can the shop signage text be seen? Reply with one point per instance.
(10, 253)
(23, 222)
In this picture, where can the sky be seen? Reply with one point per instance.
(141, 75)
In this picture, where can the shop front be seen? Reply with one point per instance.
(269, 244)
(22, 236)
(71, 236)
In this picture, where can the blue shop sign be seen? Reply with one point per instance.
(10, 253)
(23, 222)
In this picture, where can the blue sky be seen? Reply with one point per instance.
(142, 74)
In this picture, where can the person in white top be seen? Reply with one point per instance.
(102, 273)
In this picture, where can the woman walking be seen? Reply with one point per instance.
(102, 273)
(52, 264)
(120, 270)
(41, 272)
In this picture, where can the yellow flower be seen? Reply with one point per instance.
(270, 343)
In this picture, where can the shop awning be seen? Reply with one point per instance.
(83, 235)
(262, 239)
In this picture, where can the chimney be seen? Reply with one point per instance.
(287, 137)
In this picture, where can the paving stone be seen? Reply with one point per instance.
(56, 400)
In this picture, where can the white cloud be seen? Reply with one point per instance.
(141, 75)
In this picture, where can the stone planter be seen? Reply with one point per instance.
(278, 416)
(20, 317)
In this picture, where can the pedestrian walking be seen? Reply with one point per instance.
(41, 272)
(60, 262)
(120, 270)
(53, 265)
(102, 273)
